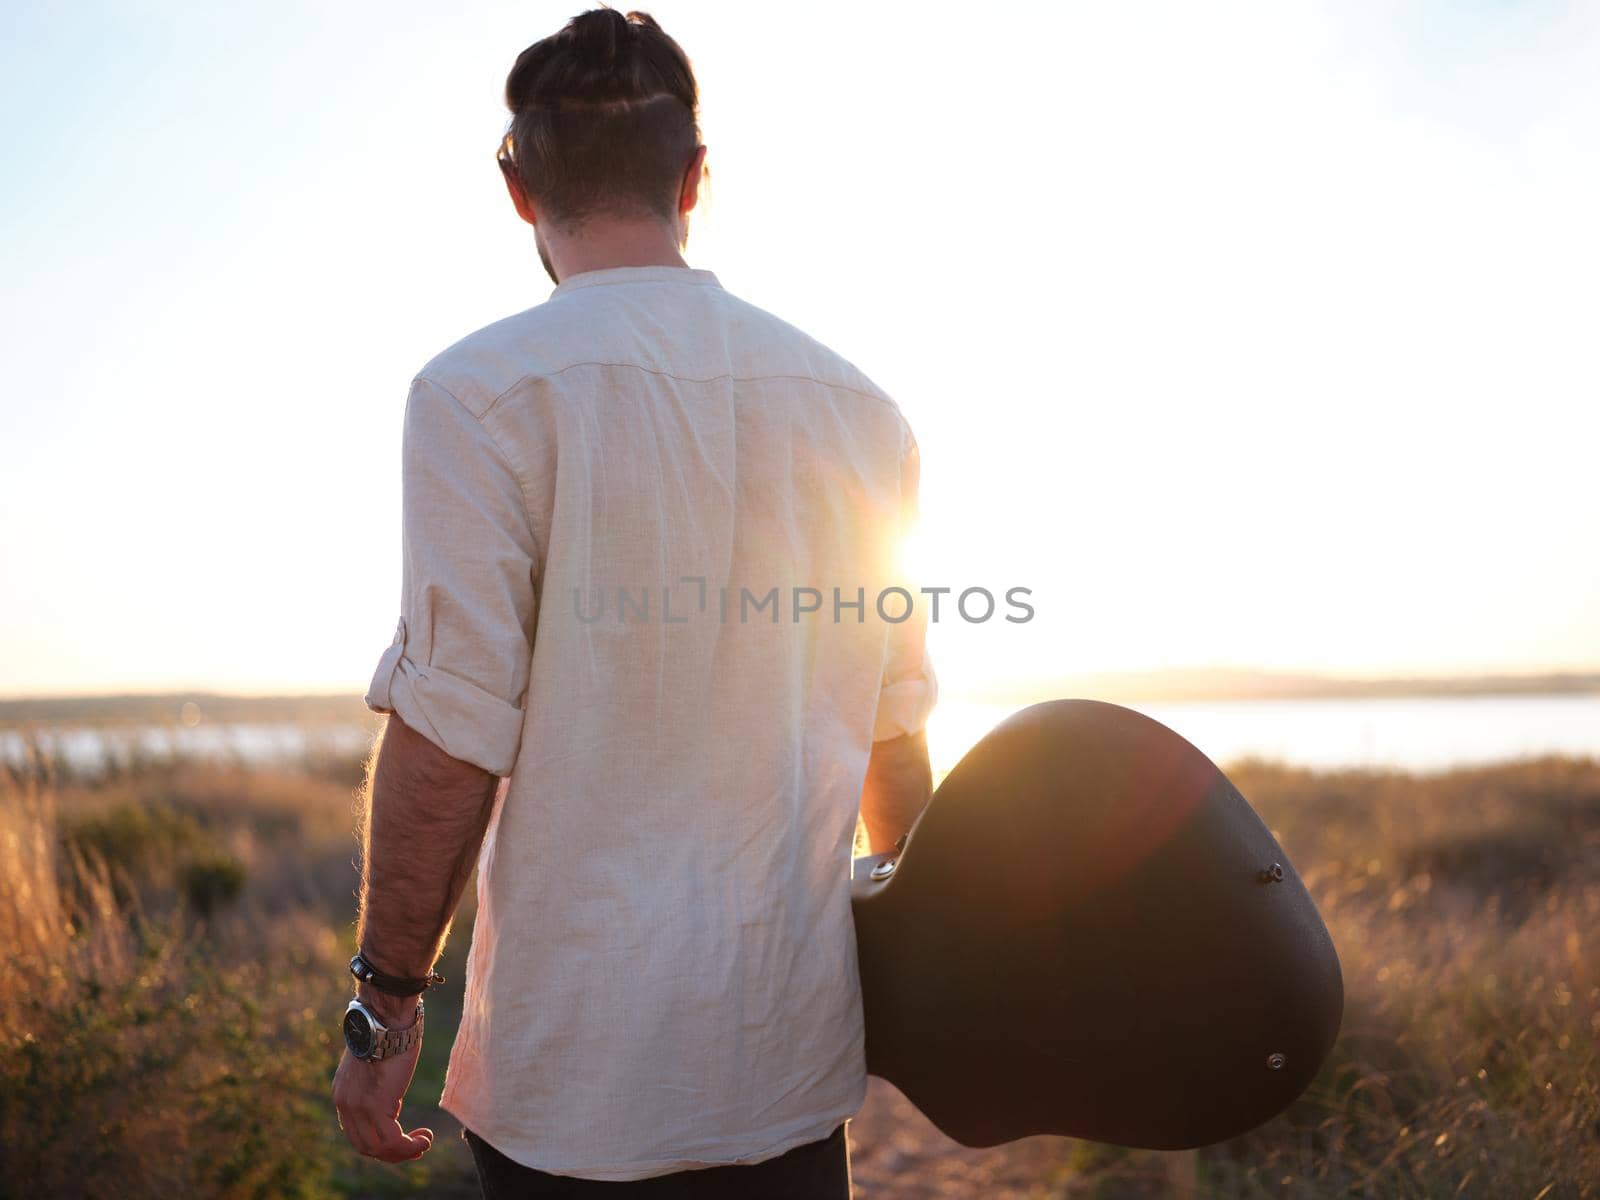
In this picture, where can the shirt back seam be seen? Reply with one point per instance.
(679, 379)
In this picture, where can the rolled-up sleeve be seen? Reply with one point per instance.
(457, 670)
(910, 688)
(906, 701)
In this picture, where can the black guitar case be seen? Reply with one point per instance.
(1090, 932)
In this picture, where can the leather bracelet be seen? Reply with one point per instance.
(391, 985)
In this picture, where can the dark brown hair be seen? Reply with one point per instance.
(604, 118)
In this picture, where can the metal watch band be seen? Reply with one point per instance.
(392, 1042)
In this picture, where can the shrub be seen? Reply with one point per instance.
(133, 1065)
(212, 881)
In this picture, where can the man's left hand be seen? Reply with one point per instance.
(367, 1096)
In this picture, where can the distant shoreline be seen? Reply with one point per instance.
(167, 708)
(1177, 686)
(1224, 685)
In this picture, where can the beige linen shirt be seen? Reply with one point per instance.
(649, 537)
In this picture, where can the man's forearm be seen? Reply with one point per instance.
(426, 817)
(898, 784)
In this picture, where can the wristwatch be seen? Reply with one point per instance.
(370, 1040)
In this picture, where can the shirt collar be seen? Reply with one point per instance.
(691, 275)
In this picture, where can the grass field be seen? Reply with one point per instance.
(175, 938)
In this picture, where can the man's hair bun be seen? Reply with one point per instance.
(604, 116)
(600, 56)
(599, 34)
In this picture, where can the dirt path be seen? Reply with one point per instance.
(897, 1154)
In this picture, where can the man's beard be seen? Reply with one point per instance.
(544, 257)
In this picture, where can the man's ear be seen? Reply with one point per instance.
(689, 193)
(518, 193)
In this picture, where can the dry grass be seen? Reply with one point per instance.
(175, 942)
(1464, 907)
(175, 937)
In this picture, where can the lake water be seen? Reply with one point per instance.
(1422, 734)
(93, 749)
(1417, 734)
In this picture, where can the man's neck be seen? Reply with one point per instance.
(600, 246)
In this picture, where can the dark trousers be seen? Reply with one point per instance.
(816, 1171)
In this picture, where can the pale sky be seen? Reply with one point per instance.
(1258, 335)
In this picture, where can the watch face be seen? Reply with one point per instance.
(358, 1033)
